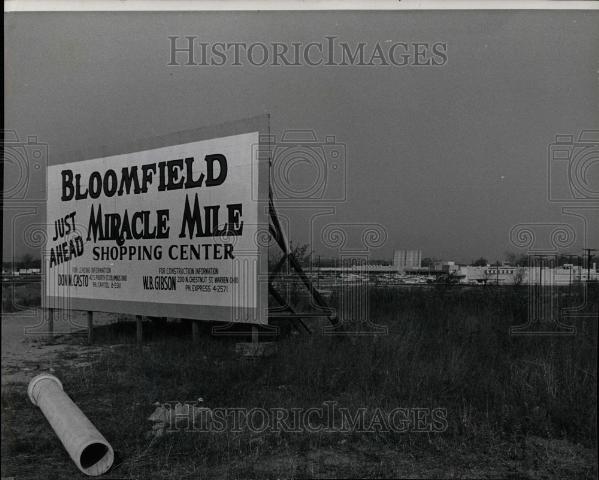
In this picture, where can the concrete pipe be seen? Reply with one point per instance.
(90, 451)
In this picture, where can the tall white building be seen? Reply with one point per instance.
(403, 259)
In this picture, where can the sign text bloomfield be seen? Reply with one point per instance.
(168, 227)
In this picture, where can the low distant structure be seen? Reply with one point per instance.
(28, 271)
(514, 275)
(407, 268)
(445, 267)
(17, 272)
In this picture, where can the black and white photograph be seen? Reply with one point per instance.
(260, 240)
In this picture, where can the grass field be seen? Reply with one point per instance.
(517, 407)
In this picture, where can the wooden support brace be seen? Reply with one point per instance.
(139, 328)
(278, 234)
(90, 327)
(195, 331)
(51, 322)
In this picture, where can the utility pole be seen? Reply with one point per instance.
(589, 256)
(318, 273)
(497, 272)
(570, 256)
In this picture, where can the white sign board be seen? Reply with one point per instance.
(169, 230)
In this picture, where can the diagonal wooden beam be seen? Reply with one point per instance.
(279, 236)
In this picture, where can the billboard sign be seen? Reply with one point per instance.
(170, 226)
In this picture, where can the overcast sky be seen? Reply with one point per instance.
(447, 159)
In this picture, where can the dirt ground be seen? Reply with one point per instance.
(27, 349)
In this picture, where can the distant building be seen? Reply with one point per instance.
(364, 268)
(406, 259)
(28, 271)
(407, 264)
(510, 275)
(445, 267)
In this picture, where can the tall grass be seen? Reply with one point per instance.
(447, 348)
